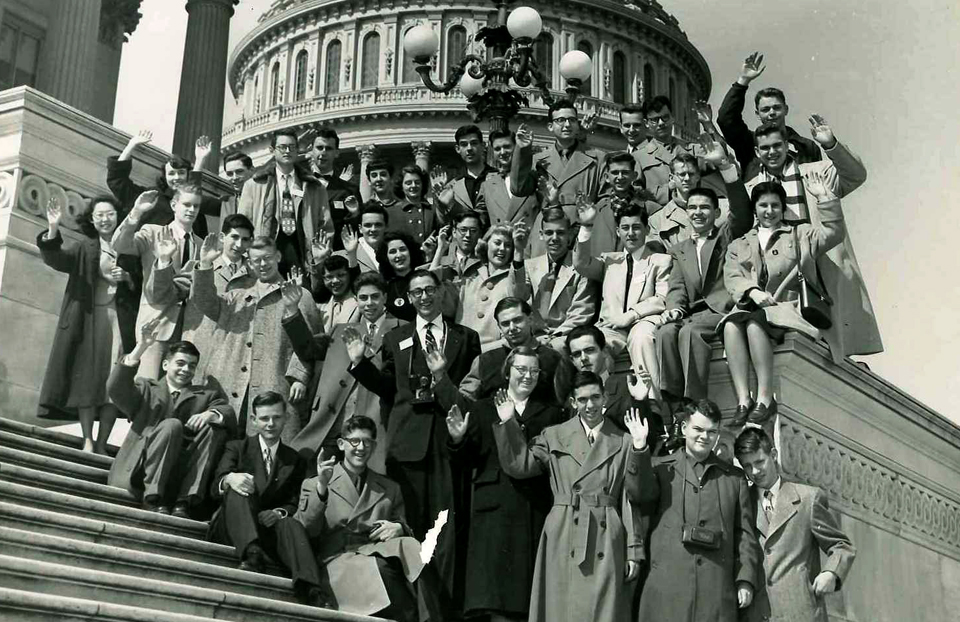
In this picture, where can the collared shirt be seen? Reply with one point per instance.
(265, 289)
(699, 241)
(591, 432)
(566, 153)
(518, 404)
(439, 330)
(282, 179)
(264, 447)
(764, 235)
(371, 253)
(374, 327)
(179, 233)
(774, 492)
(472, 183)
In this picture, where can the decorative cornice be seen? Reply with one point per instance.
(118, 20)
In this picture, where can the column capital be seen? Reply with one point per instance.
(118, 20)
(421, 148)
(226, 4)
(367, 153)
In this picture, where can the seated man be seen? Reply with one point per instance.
(259, 478)
(620, 175)
(671, 225)
(177, 428)
(360, 533)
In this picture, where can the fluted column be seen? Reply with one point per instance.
(204, 77)
(70, 53)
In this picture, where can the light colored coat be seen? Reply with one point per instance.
(506, 208)
(648, 287)
(572, 303)
(477, 297)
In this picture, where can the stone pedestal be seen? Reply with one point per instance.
(70, 53)
(204, 77)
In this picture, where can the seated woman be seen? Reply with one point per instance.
(412, 214)
(761, 274)
(507, 514)
(397, 257)
(96, 320)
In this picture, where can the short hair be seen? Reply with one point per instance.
(415, 250)
(461, 215)
(189, 187)
(467, 130)
(511, 302)
(380, 164)
(411, 169)
(85, 219)
(176, 163)
(562, 104)
(328, 133)
(358, 422)
(656, 104)
(263, 242)
(587, 331)
(513, 354)
(240, 156)
(631, 109)
(267, 398)
(767, 187)
(770, 91)
(236, 221)
(554, 214)
(335, 262)
(621, 157)
(705, 192)
(585, 379)
(766, 129)
(498, 134)
(421, 273)
(704, 406)
(502, 229)
(181, 347)
(375, 207)
(631, 210)
(369, 279)
(287, 131)
(752, 440)
(686, 159)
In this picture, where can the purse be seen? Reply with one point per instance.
(815, 303)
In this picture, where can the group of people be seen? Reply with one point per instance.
(523, 350)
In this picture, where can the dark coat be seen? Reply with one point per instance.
(81, 262)
(507, 514)
(486, 374)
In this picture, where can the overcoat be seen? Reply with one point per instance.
(477, 296)
(584, 546)
(572, 300)
(688, 583)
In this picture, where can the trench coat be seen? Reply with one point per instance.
(477, 296)
(584, 546)
(687, 583)
(253, 354)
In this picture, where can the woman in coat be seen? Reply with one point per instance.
(96, 320)
(507, 514)
(397, 256)
(761, 275)
(412, 214)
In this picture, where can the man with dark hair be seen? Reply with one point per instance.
(671, 225)
(287, 204)
(461, 258)
(421, 361)
(177, 428)
(237, 168)
(562, 298)
(702, 544)
(794, 523)
(506, 197)
(465, 191)
(373, 225)
(259, 480)
(379, 174)
(657, 154)
(343, 196)
(633, 127)
(620, 175)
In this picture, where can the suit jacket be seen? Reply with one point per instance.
(572, 303)
(655, 159)
(411, 432)
(278, 492)
(580, 173)
(146, 403)
(505, 207)
(802, 525)
(486, 375)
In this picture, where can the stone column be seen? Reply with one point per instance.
(204, 77)
(421, 154)
(70, 53)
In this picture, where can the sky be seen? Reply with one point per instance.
(883, 73)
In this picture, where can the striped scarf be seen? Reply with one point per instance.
(796, 208)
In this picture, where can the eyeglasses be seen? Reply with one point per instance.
(425, 291)
(564, 120)
(262, 261)
(658, 120)
(285, 148)
(366, 442)
(533, 372)
(468, 230)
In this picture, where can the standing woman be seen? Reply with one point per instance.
(397, 256)
(761, 275)
(412, 214)
(99, 306)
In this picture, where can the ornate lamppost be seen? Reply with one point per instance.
(492, 87)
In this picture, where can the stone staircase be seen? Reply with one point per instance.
(73, 548)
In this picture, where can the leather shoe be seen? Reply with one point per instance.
(252, 559)
(740, 417)
(153, 504)
(316, 597)
(762, 413)
(181, 510)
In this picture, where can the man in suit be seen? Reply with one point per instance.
(237, 168)
(507, 199)
(461, 260)
(343, 196)
(337, 397)
(703, 550)
(177, 428)
(355, 517)
(619, 180)
(373, 225)
(423, 362)
(132, 239)
(379, 174)
(464, 193)
(794, 523)
(341, 307)
(259, 480)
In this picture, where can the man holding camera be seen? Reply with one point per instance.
(703, 549)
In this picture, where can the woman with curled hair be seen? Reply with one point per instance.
(397, 257)
(761, 274)
(412, 214)
(96, 322)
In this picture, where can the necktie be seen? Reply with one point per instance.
(549, 283)
(288, 221)
(267, 462)
(704, 262)
(233, 269)
(186, 250)
(766, 506)
(174, 396)
(431, 341)
(590, 437)
(626, 287)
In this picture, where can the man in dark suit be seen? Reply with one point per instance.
(344, 196)
(794, 523)
(177, 428)
(259, 480)
(423, 362)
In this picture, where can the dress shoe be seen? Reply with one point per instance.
(315, 597)
(763, 413)
(252, 559)
(153, 504)
(743, 412)
(181, 510)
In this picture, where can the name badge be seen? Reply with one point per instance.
(297, 193)
(338, 205)
(406, 343)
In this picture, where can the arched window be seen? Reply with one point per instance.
(370, 75)
(619, 78)
(332, 83)
(586, 87)
(300, 90)
(256, 94)
(275, 85)
(456, 45)
(649, 82)
(543, 55)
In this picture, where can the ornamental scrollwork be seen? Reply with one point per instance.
(35, 192)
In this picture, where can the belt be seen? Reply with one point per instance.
(581, 504)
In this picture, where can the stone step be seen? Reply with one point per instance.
(73, 582)
(102, 510)
(147, 566)
(54, 450)
(46, 434)
(70, 485)
(24, 606)
(52, 465)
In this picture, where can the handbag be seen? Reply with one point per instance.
(815, 303)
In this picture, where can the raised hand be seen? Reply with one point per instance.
(713, 151)
(549, 190)
(704, 112)
(145, 202)
(148, 333)
(524, 136)
(210, 250)
(291, 292)
(355, 343)
(521, 234)
(436, 362)
(203, 149)
(347, 174)
(429, 246)
(640, 384)
(320, 247)
(140, 138)
(589, 121)
(166, 246)
(506, 409)
(586, 211)
(443, 238)
(305, 139)
(54, 216)
(638, 428)
(352, 204)
(752, 68)
(818, 184)
(350, 238)
(438, 178)
(325, 466)
(821, 132)
(457, 423)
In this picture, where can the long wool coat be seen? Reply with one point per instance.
(584, 546)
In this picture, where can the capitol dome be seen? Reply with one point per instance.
(342, 63)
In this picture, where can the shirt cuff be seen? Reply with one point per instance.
(584, 235)
(730, 174)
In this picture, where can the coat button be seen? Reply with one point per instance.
(343, 383)
(480, 315)
(484, 298)
(573, 553)
(775, 252)
(249, 344)
(702, 523)
(600, 555)
(699, 561)
(234, 394)
(576, 520)
(489, 285)
(243, 368)
(603, 524)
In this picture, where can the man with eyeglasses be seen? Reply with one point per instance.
(423, 363)
(620, 176)
(658, 153)
(461, 260)
(287, 204)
